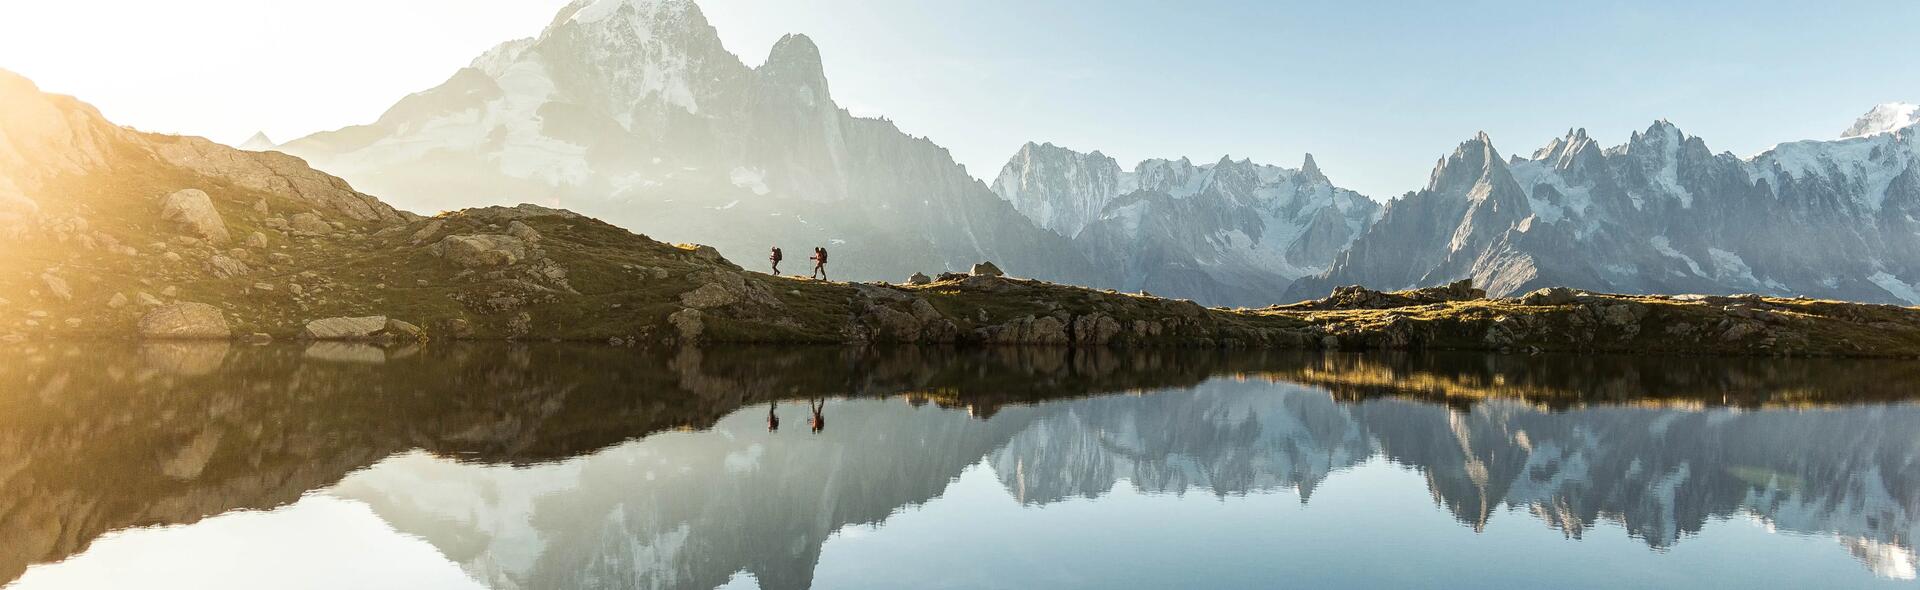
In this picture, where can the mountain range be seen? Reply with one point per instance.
(634, 112)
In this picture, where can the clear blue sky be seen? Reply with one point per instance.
(1377, 91)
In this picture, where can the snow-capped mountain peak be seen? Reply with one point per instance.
(593, 11)
(258, 143)
(1884, 118)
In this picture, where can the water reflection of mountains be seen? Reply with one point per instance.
(98, 438)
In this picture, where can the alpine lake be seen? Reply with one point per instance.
(536, 466)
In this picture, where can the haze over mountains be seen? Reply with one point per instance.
(632, 111)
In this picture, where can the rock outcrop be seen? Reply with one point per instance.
(479, 251)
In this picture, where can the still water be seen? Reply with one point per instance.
(558, 466)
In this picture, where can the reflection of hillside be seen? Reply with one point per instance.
(544, 466)
(98, 438)
(1563, 381)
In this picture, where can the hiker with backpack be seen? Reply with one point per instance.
(819, 263)
(775, 259)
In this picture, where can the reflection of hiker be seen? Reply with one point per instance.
(773, 421)
(776, 258)
(818, 422)
(819, 262)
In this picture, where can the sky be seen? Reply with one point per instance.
(1377, 91)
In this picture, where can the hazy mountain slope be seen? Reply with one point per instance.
(1231, 232)
(632, 111)
(1659, 214)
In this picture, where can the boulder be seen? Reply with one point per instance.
(309, 224)
(405, 332)
(185, 321)
(704, 252)
(224, 266)
(520, 229)
(919, 279)
(427, 232)
(257, 240)
(57, 287)
(687, 323)
(986, 269)
(482, 250)
(344, 328)
(118, 301)
(1549, 296)
(193, 210)
(708, 296)
(949, 276)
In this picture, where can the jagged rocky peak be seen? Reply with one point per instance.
(1884, 118)
(1310, 171)
(795, 51)
(1061, 189)
(795, 61)
(1474, 162)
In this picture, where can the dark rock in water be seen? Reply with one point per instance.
(986, 269)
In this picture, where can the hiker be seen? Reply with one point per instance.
(775, 259)
(773, 421)
(818, 421)
(819, 262)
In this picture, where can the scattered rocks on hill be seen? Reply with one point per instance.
(986, 269)
(185, 321)
(193, 209)
(950, 276)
